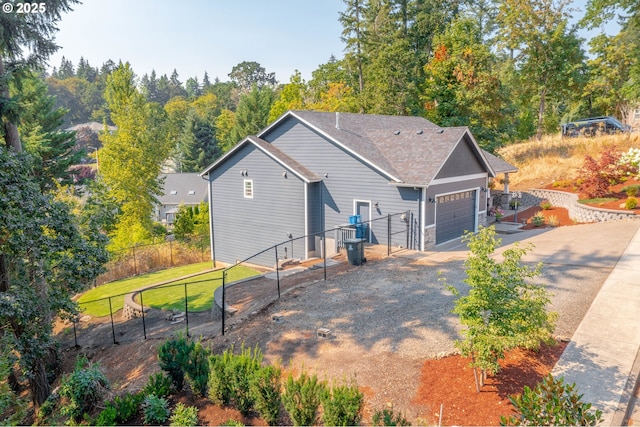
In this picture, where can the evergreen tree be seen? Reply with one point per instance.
(52, 150)
(253, 112)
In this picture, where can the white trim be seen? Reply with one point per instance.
(211, 236)
(477, 148)
(458, 179)
(355, 204)
(251, 188)
(475, 208)
(330, 138)
(270, 155)
(306, 222)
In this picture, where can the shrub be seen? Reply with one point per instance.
(174, 356)
(265, 389)
(553, 221)
(158, 385)
(551, 402)
(107, 417)
(631, 203)
(387, 417)
(538, 219)
(232, 423)
(127, 406)
(239, 374)
(184, 415)
(630, 162)
(598, 175)
(545, 205)
(301, 398)
(82, 388)
(218, 389)
(155, 410)
(342, 405)
(631, 190)
(197, 369)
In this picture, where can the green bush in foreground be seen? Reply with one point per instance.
(184, 415)
(82, 389)
(301, 398)
(265, 389)
(388, 417)
(342, 405)
(174, 357)
(551, 403)
(155, 410)
(158, 384)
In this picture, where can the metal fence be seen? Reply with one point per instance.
(395, 231)
(140, 259)
(130, 316)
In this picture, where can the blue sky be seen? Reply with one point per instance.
(195, 36)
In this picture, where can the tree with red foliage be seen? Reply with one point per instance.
(599, 175)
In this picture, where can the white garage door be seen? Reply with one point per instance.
(455, 213)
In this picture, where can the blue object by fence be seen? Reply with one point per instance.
(361, 231)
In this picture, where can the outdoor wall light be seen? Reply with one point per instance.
(484, 190)
(432, 200)
(244, 172)
(284, 174)
(326, 175)
(376, 205)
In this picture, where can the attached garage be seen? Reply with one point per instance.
(455, 214)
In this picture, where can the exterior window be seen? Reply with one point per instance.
(248, 189)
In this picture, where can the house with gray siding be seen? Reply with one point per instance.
(187, 189)
(310, 171)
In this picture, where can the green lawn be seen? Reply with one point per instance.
(200, 295)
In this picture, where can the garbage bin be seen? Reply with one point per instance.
(361, 230)
(355, 251)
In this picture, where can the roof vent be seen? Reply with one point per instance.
(337, 120)
(440, 130)
(174, 192)
(192, 192)
(396, 132)
(419, 132)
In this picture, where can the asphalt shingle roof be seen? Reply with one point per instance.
(178, 187)
(409, 149)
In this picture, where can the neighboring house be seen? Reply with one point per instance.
(634, 120)
(188, 189)
(93, 126)
(310, 171)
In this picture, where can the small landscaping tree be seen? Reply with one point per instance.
(598, 175)
(301, 398)
(552, 403)
(173, 355)
(503, 309)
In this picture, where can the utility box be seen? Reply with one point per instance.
(355, 251)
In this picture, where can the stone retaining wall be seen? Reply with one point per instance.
(577, 211)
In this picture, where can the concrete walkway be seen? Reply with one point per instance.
(602, 355)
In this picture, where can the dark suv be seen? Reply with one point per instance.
(594, 126)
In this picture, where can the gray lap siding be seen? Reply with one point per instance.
(244, 226)
(345, 179)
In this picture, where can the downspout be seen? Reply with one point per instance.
(306, 221)
(212, 244)
(422, 216)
